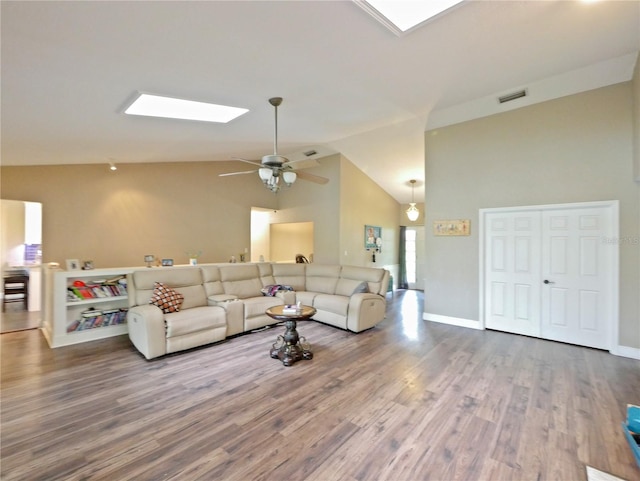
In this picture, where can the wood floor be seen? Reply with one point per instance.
(406, 401)
(16, 318)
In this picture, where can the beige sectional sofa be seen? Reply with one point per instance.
(222, 300)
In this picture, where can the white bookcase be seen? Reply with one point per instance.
(67, 321)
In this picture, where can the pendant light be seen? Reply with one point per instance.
(412, 212)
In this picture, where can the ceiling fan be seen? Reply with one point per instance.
(276, 170)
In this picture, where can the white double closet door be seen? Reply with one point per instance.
(550, 271)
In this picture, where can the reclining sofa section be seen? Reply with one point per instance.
(222, 300)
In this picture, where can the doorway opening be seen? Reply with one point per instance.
(21, 254)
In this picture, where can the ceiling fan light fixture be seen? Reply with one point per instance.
(265, 174)
(289, 177)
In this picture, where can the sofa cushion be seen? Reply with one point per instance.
(290, 274)
(332, 303)
(241, 280)
(166, 298)
(194, 319)
(255, 306)
(321, 278)
(185, 280)
(352, 276)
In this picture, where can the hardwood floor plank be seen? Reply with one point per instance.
(406, 401)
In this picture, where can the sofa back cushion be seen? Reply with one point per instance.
(352, 276)
(185, 280)
(212, 280)
(290, 275)
(242, 280)
(266, 274)
(322, 278)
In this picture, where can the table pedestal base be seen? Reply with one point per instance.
(291, 347)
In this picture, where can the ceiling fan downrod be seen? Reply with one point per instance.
(275, 101)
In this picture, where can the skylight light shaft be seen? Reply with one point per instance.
(167, 107)
(406, 14)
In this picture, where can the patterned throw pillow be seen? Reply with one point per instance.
(166, 298)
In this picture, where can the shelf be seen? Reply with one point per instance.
(96, 300)
(61, 313)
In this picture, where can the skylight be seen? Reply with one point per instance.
(403, 15)
(167, 107)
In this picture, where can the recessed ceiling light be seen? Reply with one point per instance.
(167, 107)
(403, 15)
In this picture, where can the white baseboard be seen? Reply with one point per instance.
(453, 321)
(624, 351)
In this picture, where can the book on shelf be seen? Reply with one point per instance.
(93, 318)
(79, 291)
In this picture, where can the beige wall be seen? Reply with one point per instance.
(574, 149)
(167, 209)
(115, 218)
(291, 239)
(636, 121)
(363, 202)
(12, 226)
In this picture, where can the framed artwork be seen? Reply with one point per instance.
(167, 262)
(87, 265)
(452, 227)
(73, 265)
(372, 237)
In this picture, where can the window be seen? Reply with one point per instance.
(410, 251)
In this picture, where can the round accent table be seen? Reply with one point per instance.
(290, 347)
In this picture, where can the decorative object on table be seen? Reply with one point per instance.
(87, 265)
(275, 171)
(73, 264)
(373, 240)
(149, 260)
(412, 212)
(452, 227)
(233, 260)
(167, 262)
(193, 257)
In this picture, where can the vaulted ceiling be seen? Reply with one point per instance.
(349, 84)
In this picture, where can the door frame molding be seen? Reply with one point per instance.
(613, 207)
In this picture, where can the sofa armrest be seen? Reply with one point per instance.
(365, 311)
(147, 330)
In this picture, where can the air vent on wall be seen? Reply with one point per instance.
(512, 96)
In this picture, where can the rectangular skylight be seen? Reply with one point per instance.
(403, 15)
(167, 107)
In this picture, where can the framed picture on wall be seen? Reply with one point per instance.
(372, 236)
(73, 264)
(452, 227)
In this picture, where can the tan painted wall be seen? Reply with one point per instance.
(167, 209)
(573, 149)
(291, 239)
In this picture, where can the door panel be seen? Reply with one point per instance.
(548, 273)
(512, 273)
(575, 302)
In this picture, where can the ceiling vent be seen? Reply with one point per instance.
(309, 153)
(512, 96)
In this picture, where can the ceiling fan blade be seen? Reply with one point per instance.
(311, 177)
(253, 162)
(238, 173)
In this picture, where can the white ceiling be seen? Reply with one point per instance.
(349, 84)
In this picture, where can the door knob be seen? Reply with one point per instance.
(547, 281)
